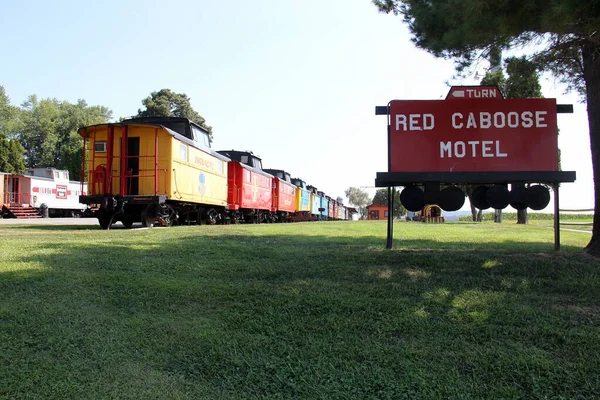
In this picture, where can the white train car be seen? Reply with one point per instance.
(43, 188)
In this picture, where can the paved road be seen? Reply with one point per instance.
(93, 222)
(49, 221)
(574, 230)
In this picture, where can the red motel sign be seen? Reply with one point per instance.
(475, 134)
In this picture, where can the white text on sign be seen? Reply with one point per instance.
(415, 122)
(472, 148)
(486, 120)
(476, 93)
(481, 120)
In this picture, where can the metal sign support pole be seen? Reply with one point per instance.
(390, 230)
(556, 217)
(390, 227)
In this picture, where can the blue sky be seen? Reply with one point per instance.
(296, 82)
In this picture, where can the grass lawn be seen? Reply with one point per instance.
(581, 225)
(307, 310)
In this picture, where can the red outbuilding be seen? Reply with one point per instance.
(377, 211)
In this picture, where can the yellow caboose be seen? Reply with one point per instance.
(153, 170)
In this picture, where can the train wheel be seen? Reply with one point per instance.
(105, 219)
(127, 222)
(262, 218)
(148, 216)
(167, 216)
(211, 217)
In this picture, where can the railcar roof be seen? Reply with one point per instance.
(177, 135)
(162, 121)
(275, 170)
(279, 173)
(312, 189)
(237, 154)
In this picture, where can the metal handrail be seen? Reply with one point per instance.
(16, 198)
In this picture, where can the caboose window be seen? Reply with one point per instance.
(201, 137)
(100, 146)
(183, 152)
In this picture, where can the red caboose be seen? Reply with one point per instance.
(284, 199)
(331, 212)
(249, 188)
(336, 206)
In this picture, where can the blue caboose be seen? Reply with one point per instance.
(315, 203)
(323, 210)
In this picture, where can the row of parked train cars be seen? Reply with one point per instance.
(162, 171)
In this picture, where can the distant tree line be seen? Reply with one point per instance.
(361, 199)
(43, 133)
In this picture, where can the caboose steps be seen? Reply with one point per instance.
(21, 212)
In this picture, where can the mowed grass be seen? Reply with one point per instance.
(580, 225)
(307, 310)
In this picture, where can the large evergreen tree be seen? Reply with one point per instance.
(166, 103)
(495, 77)
(562, 34)
(523, 82)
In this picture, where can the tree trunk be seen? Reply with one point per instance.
(473, 210)
(522, 217)
(590, 54)
(498, 216)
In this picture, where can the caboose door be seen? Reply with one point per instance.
(4, 190)
(133, 165)
(14, 190)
